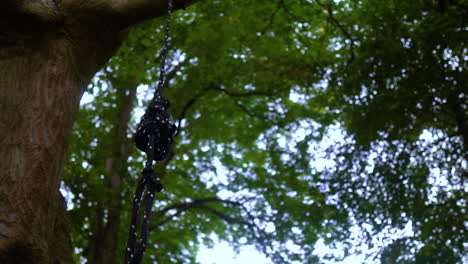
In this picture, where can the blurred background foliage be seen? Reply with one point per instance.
(299, 121)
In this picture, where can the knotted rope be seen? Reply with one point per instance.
(154, 136)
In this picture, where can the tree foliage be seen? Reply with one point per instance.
(299, 121)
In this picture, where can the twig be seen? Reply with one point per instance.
(332, 18)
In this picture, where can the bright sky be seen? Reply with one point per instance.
(223, 254)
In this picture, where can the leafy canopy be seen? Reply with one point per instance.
(299, 121)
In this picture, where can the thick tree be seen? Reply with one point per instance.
(49, 50)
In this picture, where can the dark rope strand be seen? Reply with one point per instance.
(149, 199)
(149, 180)
(133, 246)
(162, 70)
(132, 236)
(132, 242)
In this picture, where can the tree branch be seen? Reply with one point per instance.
(258, 233)
(136, 11)
(182, 207)
(340, 26)
(125, 13)
(187, 107)
(245, 94)
(42, 10)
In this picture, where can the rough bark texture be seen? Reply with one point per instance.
(49, 50)
(44, 71)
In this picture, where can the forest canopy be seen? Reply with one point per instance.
(298, 121)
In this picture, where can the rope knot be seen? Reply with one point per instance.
(152, 179)
(158, 123)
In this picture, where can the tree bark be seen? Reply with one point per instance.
(49, 51)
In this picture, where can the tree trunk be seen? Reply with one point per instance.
(49, 51)
(44, 70)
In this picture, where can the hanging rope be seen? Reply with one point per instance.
(154, 135)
